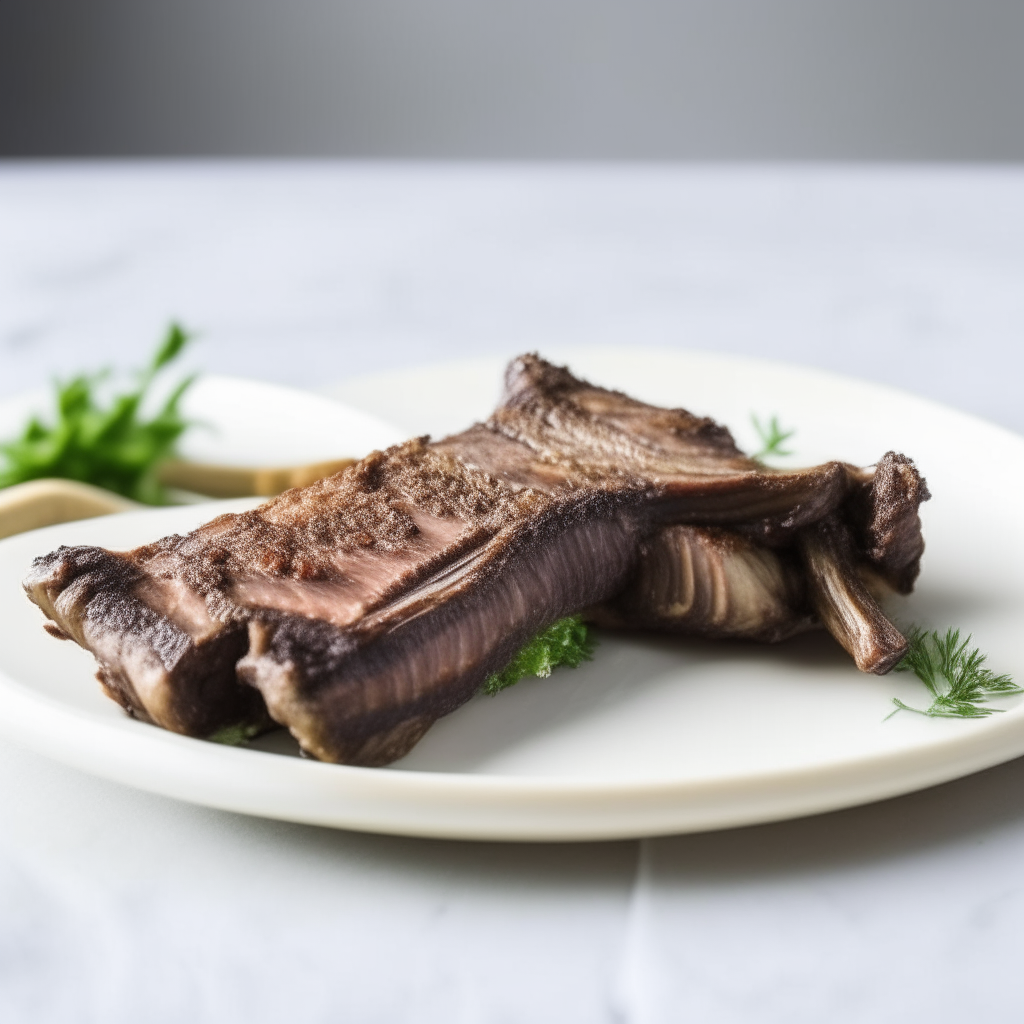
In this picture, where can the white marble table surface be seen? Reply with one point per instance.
(117, 906)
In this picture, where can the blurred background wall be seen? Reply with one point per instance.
(706, 79)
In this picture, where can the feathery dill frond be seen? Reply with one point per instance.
(954, 673)
(773, 437)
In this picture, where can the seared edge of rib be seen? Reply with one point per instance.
(179, 675)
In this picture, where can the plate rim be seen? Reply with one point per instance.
(110, 747)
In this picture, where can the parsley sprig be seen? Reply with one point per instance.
(773, 437)
(565, 642)
(110, 446)
(955, 675)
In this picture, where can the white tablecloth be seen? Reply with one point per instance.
(117, 906)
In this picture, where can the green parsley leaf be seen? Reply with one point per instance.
(110, 446)
(565, 642)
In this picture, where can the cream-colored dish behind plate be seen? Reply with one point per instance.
(655, 735)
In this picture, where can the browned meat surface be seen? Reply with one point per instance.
(358, 610)
(162, 656)
(576, 435)
(885, 523)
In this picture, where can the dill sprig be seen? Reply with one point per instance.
(954, 673)
(110, 446)
(565, 642)
(773, 437)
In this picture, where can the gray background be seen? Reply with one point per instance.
(718, 79)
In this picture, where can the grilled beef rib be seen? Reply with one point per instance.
(358, 610)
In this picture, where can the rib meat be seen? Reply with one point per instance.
(710, 582)
(760, 578)
(360, 609)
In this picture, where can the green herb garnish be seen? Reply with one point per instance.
(773, 437)
(235, 735)
(109, 446)
(954, 673)
(565, 642)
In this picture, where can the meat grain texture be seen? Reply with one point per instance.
(357, 611)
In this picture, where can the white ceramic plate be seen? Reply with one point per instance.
(654, 736)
